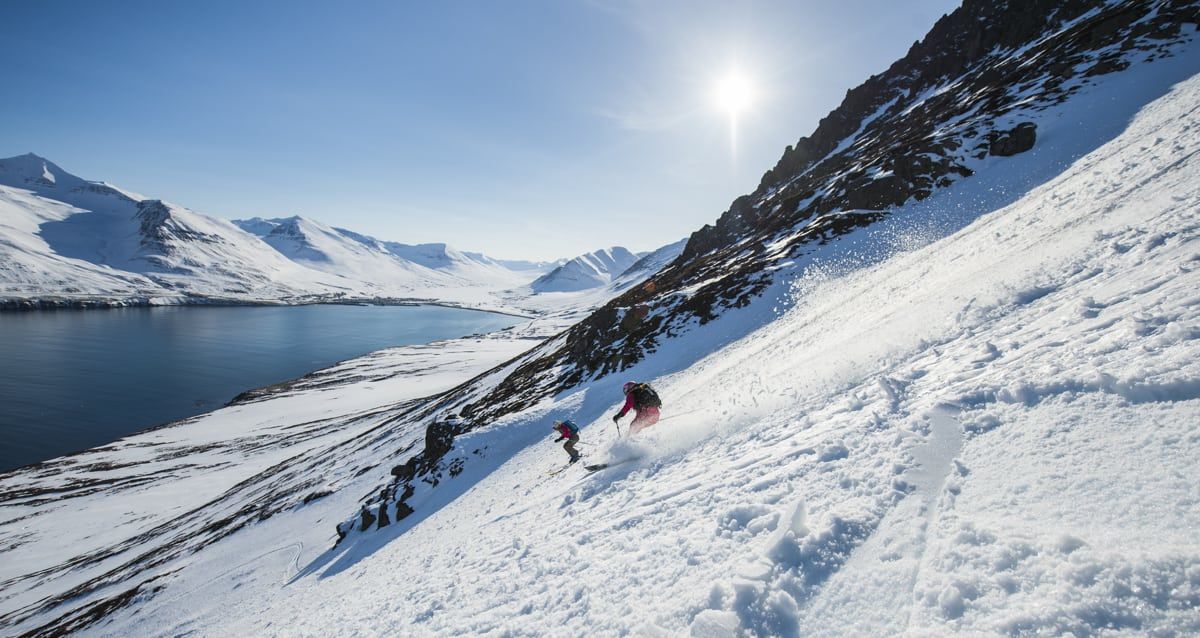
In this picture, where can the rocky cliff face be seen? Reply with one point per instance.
(968, 91)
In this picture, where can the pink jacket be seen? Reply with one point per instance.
(628, 404)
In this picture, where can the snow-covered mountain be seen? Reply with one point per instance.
(648, 264)
(570, 306)
(65, 236)
(29, 266)
(520, 264)
(360, 257)
(72, 241)
(590, 270)
(469, 266)
(959, 402)
(46, 178)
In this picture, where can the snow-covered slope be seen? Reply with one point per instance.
(29, 266)
(970, 412)
(1012, 455)
(1009, 89)
(590, 270)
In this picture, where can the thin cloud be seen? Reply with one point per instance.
(646, 118)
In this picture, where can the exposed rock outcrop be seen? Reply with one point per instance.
(1015, 140)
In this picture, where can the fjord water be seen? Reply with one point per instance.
(72, 379)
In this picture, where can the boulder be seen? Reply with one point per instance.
(1015, 140)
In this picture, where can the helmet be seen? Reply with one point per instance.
(627, 387)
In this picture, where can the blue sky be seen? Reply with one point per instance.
(524, 129)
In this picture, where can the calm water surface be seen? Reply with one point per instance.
(70, 380)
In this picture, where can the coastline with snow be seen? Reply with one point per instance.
(100, 303)
(189, 479)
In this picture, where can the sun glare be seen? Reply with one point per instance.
(733, 93)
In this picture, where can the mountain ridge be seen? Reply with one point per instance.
(819, 198)
(928, 124)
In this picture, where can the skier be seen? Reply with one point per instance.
(569, 431)
(644, 401)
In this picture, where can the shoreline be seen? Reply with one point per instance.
(266, 391)
(39, 304)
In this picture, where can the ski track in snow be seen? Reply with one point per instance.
(292, 567)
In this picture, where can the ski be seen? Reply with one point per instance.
(560, 470)
(602, 466)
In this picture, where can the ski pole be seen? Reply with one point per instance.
(668, 418)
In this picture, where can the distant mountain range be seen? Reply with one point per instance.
(343, 252)
(586, 271)
(68, 241)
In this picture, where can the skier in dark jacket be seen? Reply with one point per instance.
(644, 401)
(570, 432)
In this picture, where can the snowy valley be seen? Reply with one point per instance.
(938, 375)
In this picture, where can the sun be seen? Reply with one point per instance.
(733, 93)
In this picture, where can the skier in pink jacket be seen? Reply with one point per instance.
(644, 401)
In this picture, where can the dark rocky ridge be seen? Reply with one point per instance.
(903, 150)
(962, 93)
